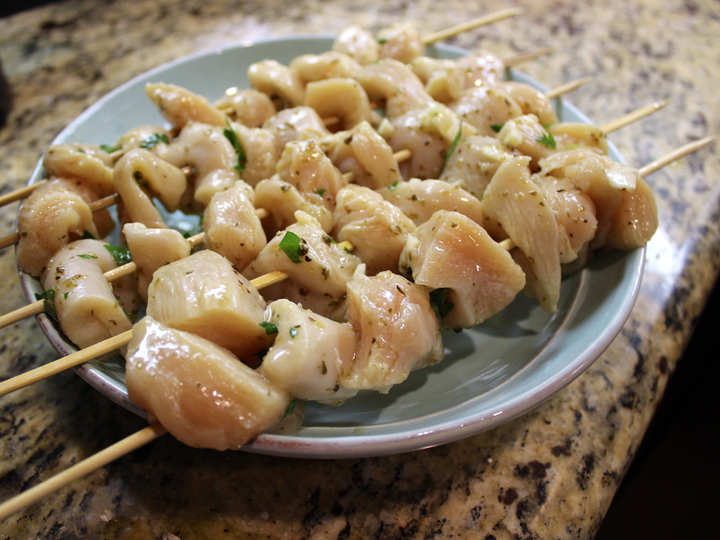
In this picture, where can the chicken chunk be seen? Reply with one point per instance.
(474, 162)
(318, 268)
(358, 44)
(281, 83)
(151, 249)
(394, 83)
(281, 200)
(197, 390)
(398, 331)
(420, 199)
(471, 275)
(180, 106)
(84, 300)
(205, 295)
(52, 216)
(514, 200)
(232, 226)
(248, 107)
(376, 228)
(87, 163)
(309, 353)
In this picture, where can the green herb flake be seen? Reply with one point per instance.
(120, 254)
(453, 145)
(289, 410)
(87, 256)
(440, 302)
(382, 41)
(87, 235)
(270, 328)
(393, 185)
(496, 127)
(154, 139)
(294, 330)
(292, 246)
(321, 191)
(109, 149)
(547, 140)
(48, 300)
(232, 136)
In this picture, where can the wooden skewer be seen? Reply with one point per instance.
(526, 57)
(154, 431)
(469, 25)
(83, 468)
(567, 88)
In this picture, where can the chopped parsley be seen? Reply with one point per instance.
(109, 149)
(321, 191)
(547, 140)
(293, 246)
(154, 139)
(120, 254)
(294, 331)
(393, 185)
(87, 256)
(496, 127)
(87, 235)
(270, 328)
(440, 302)
(232, 136)
(289, 410)
(48, 299)
(453, 145)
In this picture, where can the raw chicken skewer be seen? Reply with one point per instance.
(154, 431)
(469, 25)
(115, 342)
(37, 307)
(401, 155)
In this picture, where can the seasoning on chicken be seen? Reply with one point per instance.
(248, 107)
(395, 84)
(232, 226)
(624, 203)
(420, 199)
(180, 106)
(358, 44)
(531, 101)
(376, 228)
(327, 65)
(296, 124)
(341, 98)
(52, 216)
(281, 83)
(398, 331)
(474, 162)
(197, 390)
(211, 155)
(309, 353)
(401, 41)
(526, 136)
(471, 275)
(305, 166)
(281, 200)
(486, 108)
(205, 295)
(85, 303)
(151, 249)
(139, 171)
(364, 153)
(318, 268)
(514, 201)
(89, 164)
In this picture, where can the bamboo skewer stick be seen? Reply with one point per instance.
(126, 269)
(83, 468)
(154, 431)
(470, 25)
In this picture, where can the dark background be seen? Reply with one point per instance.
(672, 489)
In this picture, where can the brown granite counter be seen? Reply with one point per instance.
(551, 473)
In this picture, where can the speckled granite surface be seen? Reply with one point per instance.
(549, 474)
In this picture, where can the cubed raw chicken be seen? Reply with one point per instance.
(473, 277)
(309, 353)
(398, 331)
(202, 394)
(205, 295)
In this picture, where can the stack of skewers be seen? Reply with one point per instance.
(354, 204)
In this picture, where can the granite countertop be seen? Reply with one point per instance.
(551, 473)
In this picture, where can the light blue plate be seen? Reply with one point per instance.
(491, 374)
